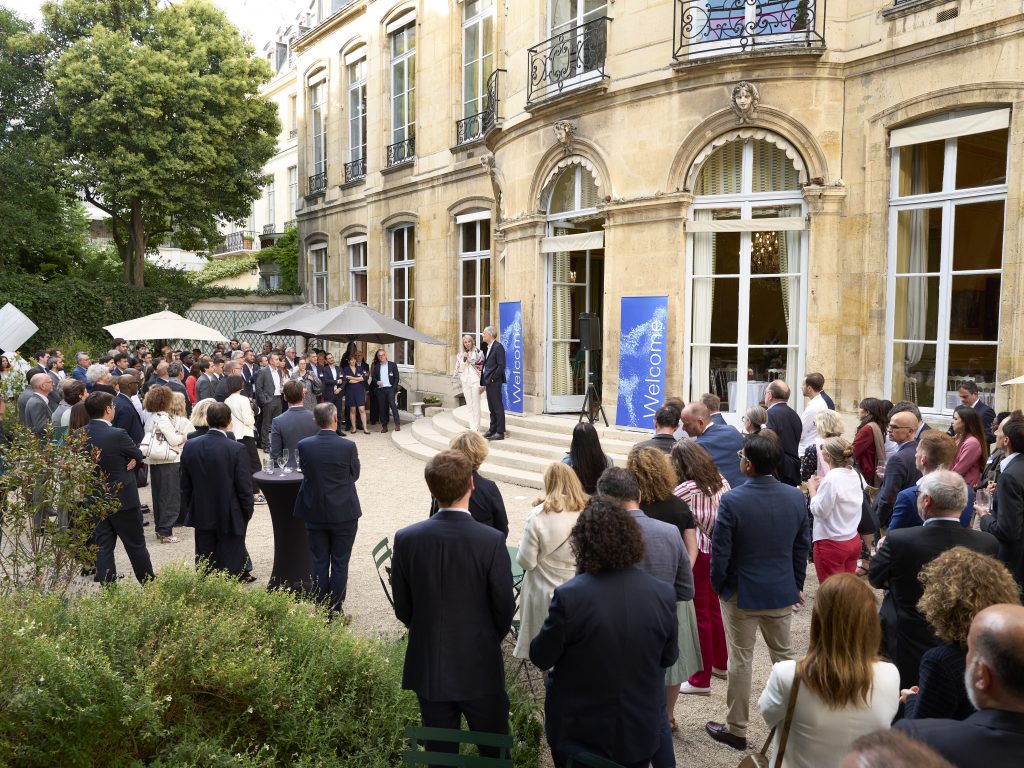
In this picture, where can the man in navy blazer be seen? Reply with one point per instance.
(1005, 520)
(216, 493)
(785, 422)
(118, 457)
(994, 735)
(452, 583)
(295, 424)
(758, 564)
(329, 504)
(126, 415)
(901, 470)
(492, 377)
(615, 618)
(970, 397)
(722, 443)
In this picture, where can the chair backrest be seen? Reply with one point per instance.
(502, 742)
(592, 761)
(382, 562)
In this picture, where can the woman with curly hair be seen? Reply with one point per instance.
(958, 585)
(600, 699)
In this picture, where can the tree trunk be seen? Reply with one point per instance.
(135, 253)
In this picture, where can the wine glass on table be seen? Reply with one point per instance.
(282, 462)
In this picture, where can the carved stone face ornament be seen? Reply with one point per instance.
(745, 100)
(565, 133)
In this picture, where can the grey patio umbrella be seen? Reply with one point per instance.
(281, 322)
(357, 322)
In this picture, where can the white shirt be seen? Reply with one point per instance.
(837, 505)
(820, 737)
(1005, 462)
(810, 433)
(384, 375)
(277, 381)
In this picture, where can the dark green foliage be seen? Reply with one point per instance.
(286, 253)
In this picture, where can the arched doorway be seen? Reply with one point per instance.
(574, 253)
(745, 275)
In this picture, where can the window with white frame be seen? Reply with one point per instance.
(271, 205)
(318, 125)
(357, 269)
(474, 273)
(403, 273)
(357, 111)
(477, 54)
(403, 82)
(318, 261)
(947, 209)
(293, 190)
(745, 272)
(293, 116)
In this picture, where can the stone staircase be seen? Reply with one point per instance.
(530, 445)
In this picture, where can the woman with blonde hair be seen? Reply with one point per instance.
(467, 370)
(544, 552)
(165, 435)
(485, 502)
(958, 585)
(657, 480)
(198, 418)
(700, 486)
(828, 424)
(842, 689)
(836, 506)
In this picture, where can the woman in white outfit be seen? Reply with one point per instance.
(467, 371)
(544, 552)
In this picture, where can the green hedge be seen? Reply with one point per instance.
(196, 670)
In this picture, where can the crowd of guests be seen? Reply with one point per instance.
(646, 582)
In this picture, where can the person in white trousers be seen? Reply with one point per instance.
(467, 371)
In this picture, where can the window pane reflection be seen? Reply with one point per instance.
(981, 159)
(921, 168)
(974, 308)
(918, 240)
(916, 313)
(978, 236)
(913, 373)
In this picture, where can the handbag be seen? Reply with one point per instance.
(868, 519)
(760, 759)
(156, 448)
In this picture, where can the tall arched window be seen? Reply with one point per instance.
(744, 272)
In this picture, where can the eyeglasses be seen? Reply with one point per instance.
(892, 428)
(742, 456)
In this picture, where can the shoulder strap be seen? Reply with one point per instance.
(784, 736)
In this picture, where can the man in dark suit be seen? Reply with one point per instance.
(452, 582)
(666, 421)
(994, 735)
(117, 460)
(53, 366)
(216, 493)
(969, 396)
(609, 606)
(758, 564)
(492, 377)
(901, 470)
(1006, 519)
(34, 410)
(175, 376)
(249, 370)
(384, 376)
(42, 357)
(900, 558)
(329, 504)
(295, 424)
(269, 385)
(785, 422)
(722, 443)
(126, 415)
(230, 368)
(714, 405)
(205, 385)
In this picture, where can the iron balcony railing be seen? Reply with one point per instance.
(401, 152)
(290, 223)
(269, 229)
(709, 27)
(293, 133)
(570, 59)
(317, 182)
(476, 126)
(355, 170)
(241, 240)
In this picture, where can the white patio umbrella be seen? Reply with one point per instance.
(1018, 380)
(281, 322)
(163, 325)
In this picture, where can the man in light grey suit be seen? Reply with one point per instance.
(34, 406)
(268, 386)
(295, 424)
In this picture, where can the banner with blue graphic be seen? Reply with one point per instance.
(641, 360)
(510, 334)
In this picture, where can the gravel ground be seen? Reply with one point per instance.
(393, 494)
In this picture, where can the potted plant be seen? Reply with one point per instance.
(247, 239)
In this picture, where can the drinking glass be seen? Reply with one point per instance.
(298, 465)
(283, 462)
(983, 501)
(268, 465)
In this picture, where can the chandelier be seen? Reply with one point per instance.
(764, 253)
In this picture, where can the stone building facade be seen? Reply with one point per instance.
(813, 187)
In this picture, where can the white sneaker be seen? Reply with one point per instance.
(694, 690)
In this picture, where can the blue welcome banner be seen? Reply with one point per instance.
(510, 334)
(641, 360)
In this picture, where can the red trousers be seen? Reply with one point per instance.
(710, 633)
(835, 557)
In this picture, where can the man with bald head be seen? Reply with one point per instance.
(34, 405)
(901, 470)
(994, 735)
(785, 422)
(722, 442)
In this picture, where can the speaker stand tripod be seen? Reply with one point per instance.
(592, 405)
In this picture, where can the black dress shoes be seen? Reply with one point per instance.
(720, 733)
(488, 435)
(496, 436)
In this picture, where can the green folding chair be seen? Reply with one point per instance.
(382, 562)
(517, 587)
(416, 756)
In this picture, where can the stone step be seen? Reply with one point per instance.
(559, 425)
(502, 452)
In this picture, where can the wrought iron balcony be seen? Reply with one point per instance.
(570, 59)
(401, 152)
(290, 223)
(317, 183)
(710, 27)
(269, 229)
(355, 170)
(476, 126)
(293, 133)
(241, 240)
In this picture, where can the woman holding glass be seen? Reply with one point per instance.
(304, 372)
(357, 374)
(971, 445)
(467, 371)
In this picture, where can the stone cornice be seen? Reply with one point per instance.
(640, 210)
(830, 200)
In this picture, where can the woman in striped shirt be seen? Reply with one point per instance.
(701, 486)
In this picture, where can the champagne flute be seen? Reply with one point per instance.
(283, 461)
(298, 465)
(982, 502)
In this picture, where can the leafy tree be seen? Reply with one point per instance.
(44, 224)
(159, 118)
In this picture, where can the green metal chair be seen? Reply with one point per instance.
(416, 756)
(592, 761)
(517, 587)
(382, 562)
